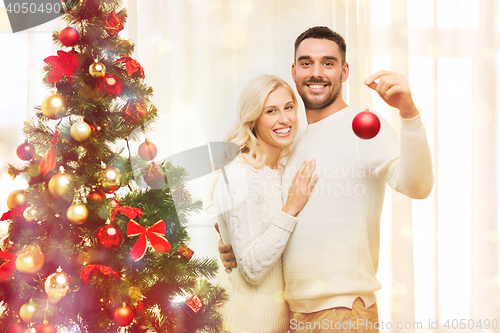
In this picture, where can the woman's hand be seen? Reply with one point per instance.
(301, 188)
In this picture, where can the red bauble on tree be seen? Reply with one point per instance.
(124, 315)
(96, 195)
(69, 36)
(366, 125)
(109, 236)
(147, 150)
(46, 328)
(25, 151)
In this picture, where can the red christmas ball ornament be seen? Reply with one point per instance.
(96, 195)
(123, 316)
(109, 236)
(147, 150)
(18, 328)
(366, 125)
(69, 36)
(26, 151)
(46, 328)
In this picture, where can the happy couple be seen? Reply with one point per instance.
(302, 251)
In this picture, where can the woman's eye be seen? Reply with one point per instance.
(271, 111)
(290, 107)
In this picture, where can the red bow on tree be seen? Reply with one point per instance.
(64, 63)
(153, 234)
(132, 65)
(104, 270)
(15, 212)
(9, 266)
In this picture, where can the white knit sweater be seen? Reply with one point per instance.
(253, 223)
(332, 256)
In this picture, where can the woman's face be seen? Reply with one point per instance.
(277, 123)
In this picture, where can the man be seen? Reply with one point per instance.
(332, 256)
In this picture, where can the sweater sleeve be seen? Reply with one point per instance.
(405, 165)
(256, 250)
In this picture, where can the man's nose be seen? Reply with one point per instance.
(317, 70)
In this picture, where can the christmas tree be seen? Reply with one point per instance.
(82, 254)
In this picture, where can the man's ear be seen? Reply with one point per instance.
(345, 71)
(293, 72)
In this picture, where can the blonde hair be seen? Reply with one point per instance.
(250, 107)
(242, 132)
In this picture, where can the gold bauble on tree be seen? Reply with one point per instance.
(29, 312)
(54, 106)
(30, 259)
(97, 69)
(30, 214)
(57, 285)
(80, 131)
(77, 213)
(110, 179)
(60, 186)
(16, 198)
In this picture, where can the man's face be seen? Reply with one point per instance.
(318, 72)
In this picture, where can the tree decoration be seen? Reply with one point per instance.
(26, 151)
(8, 268)
(184, 253)
(57, 285)
(54, 106)
(77, 213)
(110, 84)
(102, 270)
(96, 195)
(18, 328)
(69, 36)
(46, 328)
(366, 125)
(16, 198)
(153, 235)
(154, 176)
(134, 292)
(49, 161)
(60, 186)
(113, 23)
(193, 305)
(131, 65)
(123, 315)
(97, 69)
(80, 131)
(64, 64)
(181, 195)
(30, 259)
(147, 150)
(30, 214)
(29, 312)
(110, 179)
(133, 112)
(130, 212)
(109, 236)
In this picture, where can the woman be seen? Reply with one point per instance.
(254, 220)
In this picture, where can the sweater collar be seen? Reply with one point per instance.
(330, 119)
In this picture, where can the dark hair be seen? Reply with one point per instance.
(322, 33)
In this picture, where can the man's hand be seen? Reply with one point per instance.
(395, 91)
(226, 253)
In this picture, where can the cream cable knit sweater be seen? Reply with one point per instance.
(332, 256)
(253, 223)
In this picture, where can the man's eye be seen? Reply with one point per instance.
(306, 64)
(328, 64)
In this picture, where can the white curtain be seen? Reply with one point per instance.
(439, 256)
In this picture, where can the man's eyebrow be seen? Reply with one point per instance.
(306, 57)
